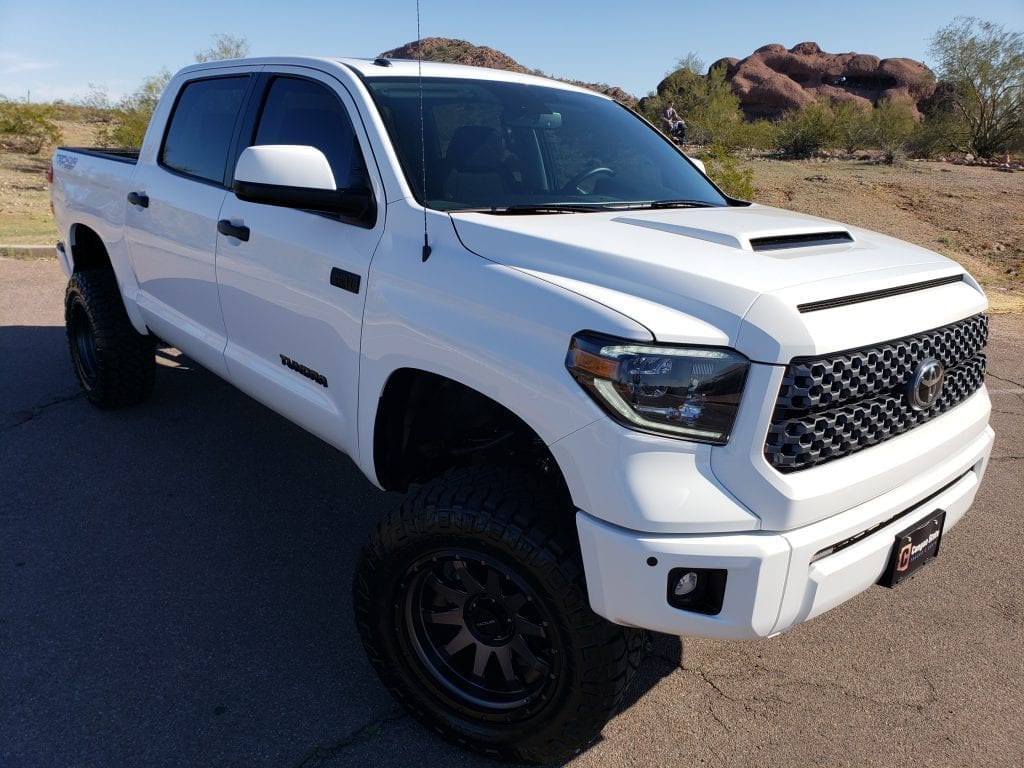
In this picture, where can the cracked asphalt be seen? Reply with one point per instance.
(175, 591)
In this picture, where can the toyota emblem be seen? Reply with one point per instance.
(925, 385)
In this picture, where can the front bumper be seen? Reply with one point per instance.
(774, 580)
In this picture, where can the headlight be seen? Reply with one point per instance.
(686, 392)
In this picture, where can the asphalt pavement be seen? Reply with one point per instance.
(175, 591)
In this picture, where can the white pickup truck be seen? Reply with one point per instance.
(618, 399)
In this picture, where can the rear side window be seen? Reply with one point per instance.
(199, 135)
(304, 112)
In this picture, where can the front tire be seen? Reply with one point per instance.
(114, 363)
(472, 607)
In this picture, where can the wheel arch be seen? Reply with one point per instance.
(87, 249)
(427, 424)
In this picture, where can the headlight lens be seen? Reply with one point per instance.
(691, 393)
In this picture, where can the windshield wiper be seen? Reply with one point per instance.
(552, 208)
(681, 204)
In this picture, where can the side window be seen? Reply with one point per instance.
(200, 131)
(305, 112)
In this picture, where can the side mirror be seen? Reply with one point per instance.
(699, 164)
(294, 176)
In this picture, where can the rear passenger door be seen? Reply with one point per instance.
(293, 292)
(172, 212)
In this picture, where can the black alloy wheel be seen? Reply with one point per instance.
(478, 630)
(472, 607)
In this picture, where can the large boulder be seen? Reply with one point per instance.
(773, 79)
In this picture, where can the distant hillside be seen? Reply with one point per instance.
(450, 51)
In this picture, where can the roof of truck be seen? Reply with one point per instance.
(381, 67)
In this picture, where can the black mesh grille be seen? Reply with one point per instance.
(832, 406)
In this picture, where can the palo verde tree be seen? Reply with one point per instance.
(984, 63)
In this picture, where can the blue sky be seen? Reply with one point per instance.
(57, 48)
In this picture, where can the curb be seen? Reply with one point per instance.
(28, 252)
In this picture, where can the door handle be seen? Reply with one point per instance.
(225, 227)
(140, 199)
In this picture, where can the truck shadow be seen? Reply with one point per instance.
(177, 582)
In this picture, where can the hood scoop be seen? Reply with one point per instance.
(800, 240)
(745, 241)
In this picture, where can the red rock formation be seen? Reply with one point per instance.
(773, 79)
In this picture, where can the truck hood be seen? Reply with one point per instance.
(729, 276)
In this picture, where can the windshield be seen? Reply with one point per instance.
(513, 147)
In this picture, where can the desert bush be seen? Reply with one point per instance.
(936, 135)
(725, 170)
(706, 102)
(892, 124)
(130, 118)
(757, 134)
(851, 126)
(27, 128)
(802, 132)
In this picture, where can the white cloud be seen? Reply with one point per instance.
(15, 63)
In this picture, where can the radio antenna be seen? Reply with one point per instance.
(423, 138)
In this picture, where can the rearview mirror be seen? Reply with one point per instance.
(295, 176)
(544, 120)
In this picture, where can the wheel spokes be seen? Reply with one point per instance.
(450, 594)
(481, 656)
(462, 640)
(473, 587)
(504, 656)
(452, 617)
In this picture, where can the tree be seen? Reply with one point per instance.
(985, 65)
(131, 117)
(224, 47)
(133, 112)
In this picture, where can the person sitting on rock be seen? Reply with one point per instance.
(672, 123)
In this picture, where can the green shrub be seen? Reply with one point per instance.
(892, 125)
(851, 126)
(27, 128)
(130, 117)
(936, 135)
(706, 103)
(803, 132)
(725, 170)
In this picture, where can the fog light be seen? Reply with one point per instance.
(700, 590)
(685, 584)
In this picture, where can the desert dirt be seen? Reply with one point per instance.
(974, 215)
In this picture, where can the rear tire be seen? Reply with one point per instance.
(114, 363)
(472, 607)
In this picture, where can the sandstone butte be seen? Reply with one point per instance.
(768, 82)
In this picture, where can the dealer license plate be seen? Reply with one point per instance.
(913, 548)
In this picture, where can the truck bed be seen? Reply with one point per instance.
(120, 154)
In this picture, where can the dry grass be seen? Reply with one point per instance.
(972, 215)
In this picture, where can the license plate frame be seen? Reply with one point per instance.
(913, 548)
